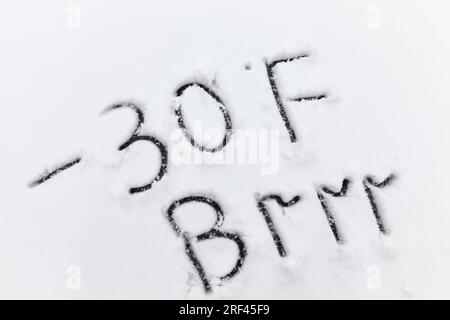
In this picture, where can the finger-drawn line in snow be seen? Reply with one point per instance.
(326, 208)
(222, 108)
(267, 217)
(369, 181)
(50, 174)
(277, 96)
(213, 233)
(310, 98)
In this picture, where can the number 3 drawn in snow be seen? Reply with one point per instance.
(136, 137)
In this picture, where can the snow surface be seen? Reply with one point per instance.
(384, 66)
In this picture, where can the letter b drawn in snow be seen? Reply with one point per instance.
(211, 234)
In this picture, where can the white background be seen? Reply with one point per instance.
(385, 65)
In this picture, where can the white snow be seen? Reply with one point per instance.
(384, 66)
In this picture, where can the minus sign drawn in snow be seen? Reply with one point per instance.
(50, 174)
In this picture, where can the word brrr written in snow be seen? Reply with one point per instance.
(214, 232)
(179, 92)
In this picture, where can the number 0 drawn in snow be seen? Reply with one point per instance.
(222, 108)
